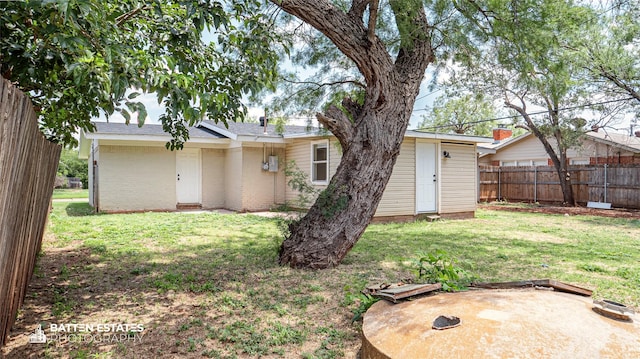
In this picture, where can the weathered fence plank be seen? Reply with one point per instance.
(28, 164)
(541, 184)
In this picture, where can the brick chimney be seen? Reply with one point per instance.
(501, 133)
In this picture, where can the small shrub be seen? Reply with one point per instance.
(439, 267)
(362, 300)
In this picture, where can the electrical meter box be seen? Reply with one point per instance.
(273, 163)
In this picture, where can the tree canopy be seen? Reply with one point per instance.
(79, 58)
(469, 114)
(528, 57)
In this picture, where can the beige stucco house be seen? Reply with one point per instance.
(526, 150)
(241, 168)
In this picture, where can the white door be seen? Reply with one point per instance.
(188, 175)
(426, 177)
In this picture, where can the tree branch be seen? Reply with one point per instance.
(535, 130)
(127, 16)
(357, 8)
(323, 84)
(346, 32)
(339, 124)
(373, 17)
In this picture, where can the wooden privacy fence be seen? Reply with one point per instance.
(617, 184)
(28, 165)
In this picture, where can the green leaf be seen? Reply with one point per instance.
(142, 115)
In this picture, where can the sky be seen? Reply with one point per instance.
(424, 99)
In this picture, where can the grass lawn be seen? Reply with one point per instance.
(70, 193)
(208, 285)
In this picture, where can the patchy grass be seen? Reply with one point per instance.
(208, 285)
(70, 193)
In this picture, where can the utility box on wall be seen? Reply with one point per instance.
(273, 163)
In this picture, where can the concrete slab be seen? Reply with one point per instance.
(524, 323)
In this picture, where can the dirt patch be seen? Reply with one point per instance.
(235, 320)
(569, 211)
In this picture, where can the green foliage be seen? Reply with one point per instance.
(439, 267)
(71, 166)
(461, 114)
(362, 300)
(298, 180)
(332, 201)
(79, 58)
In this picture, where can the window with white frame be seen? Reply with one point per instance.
(320, 162)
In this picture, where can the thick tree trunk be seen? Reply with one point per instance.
(564, 176)
(370, 134)
(341, 214)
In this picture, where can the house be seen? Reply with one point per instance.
(597, 147)
(241, 168)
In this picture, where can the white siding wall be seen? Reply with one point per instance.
(530, 150)
(399, 196)
(300, 152)
(136, 178)
(458, 179)
(213, 178)
(523, 151)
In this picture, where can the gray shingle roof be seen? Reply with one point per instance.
(254, 129)
(149, 130)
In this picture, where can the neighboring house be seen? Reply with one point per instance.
(597, 147)
(241, 168)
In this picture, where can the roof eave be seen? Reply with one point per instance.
(149, 138)
(613, 143)
(223, 131)
(449, 137)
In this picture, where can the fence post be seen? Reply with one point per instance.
(605, 183)
(535, 184)
(499, 189)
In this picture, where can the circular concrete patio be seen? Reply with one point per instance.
(498, 324)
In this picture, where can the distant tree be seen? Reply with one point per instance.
(71, 166)
(468, 114)
(610, 47)
(525, 62)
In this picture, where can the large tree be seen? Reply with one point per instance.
(525, 61)
(370, 129)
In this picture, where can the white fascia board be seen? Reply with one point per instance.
(409, 134)
(260, 139)
(448, 137)
(150, 138)
(84, 146)
(307, 135)
(223, 131)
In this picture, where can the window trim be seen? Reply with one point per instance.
(313, 146)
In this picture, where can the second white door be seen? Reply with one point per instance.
(188, 175)
(426, 177)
